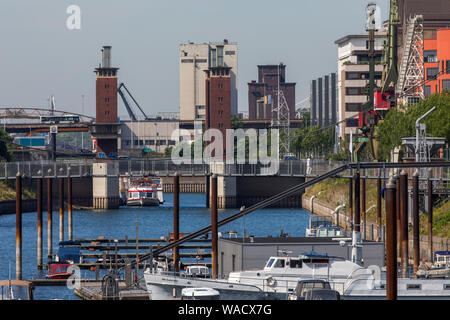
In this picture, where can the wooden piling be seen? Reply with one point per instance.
(357, 215)
(49, 219)
(415, 217)
(397, 212)
(61, 209)
(391, 241)
(350, 201)
(404, 222)
(430, 216)
(176, 220)
(208, 189)
(69, 206)
(214, 219)
(18, 226)
(39, 223)
(379, 215)
(363, 207)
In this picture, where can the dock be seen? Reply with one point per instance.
(92, 290)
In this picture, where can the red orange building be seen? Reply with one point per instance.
(437, 61)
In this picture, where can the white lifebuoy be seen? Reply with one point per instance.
(271, 281)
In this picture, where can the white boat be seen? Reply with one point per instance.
(145, 192)
(280, 276)
(276, 280)
(323, 227)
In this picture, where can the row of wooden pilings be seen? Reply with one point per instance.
(396, 222)
(39, 195)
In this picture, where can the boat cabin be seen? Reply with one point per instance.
(310, 259)
(199, 271)
(442, 258)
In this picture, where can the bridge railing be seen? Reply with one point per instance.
(45, 169)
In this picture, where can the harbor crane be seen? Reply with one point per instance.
(127, 105)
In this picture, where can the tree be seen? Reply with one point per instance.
(5, 143)
(400, 122)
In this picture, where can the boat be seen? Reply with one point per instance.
(145, 192)
(439, 270)
(59, 271)
(276, 280)
(16, 290)
(323, 227)
(67, 255)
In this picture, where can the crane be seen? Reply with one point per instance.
(127, 105)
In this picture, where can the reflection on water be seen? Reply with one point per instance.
(152, 222)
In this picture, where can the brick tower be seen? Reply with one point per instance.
(106, 127)
(218, 100)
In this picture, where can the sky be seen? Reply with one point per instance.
(41, 57)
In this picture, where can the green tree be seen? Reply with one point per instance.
(400, 123)
(5, 144)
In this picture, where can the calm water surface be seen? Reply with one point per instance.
(153, 222)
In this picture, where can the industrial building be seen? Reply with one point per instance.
(270, 79)
(323, 100)
(155, 135)
(194, 60)
(353, 76)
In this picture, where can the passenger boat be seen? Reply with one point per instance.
(59, 271)
(145, 192)
(276, 280)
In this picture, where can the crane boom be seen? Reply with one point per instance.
(127, 105)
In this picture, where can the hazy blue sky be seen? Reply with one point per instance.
(39, 56)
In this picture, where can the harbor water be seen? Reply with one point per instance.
(153, 222)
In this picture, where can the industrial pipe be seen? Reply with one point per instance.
(336, 212)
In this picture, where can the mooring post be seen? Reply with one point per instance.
(357, 215)
(379, 215)
(415, 207)
(49, 218)
(69, 204)
(214, 249)
(363, 206)
(397, 213)
(430, 215)
(391, 241)
(61, 209)
(39, 222)
(404, 222)
(350, 201)
(176, 220)
(18, 226)
(208, 189)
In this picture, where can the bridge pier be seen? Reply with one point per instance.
(105, 185)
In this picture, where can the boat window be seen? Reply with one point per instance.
(295, 264)
(270, 262)
(279, 263)
(149, 194)
(319, 260)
